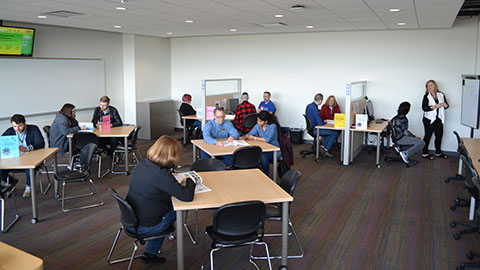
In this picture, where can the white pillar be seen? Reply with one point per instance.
(129, 89)
(346, 134)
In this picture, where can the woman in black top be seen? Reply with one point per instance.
(151, 187)
(434, 105)
(187, 109)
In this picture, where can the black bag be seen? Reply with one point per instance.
(282, 168)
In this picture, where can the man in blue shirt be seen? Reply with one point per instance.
(313, 114)
(267, 104)
(219, 129)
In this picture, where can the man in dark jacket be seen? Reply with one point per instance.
(29, 138)
(115, 121)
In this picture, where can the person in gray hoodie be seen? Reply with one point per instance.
(64, 124)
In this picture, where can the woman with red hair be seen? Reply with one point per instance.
(187, 109)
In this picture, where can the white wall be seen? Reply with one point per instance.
(294, 67)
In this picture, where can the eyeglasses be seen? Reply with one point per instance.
(223, 116)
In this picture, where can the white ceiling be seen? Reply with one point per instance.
(217, 17)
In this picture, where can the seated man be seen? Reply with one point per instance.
(115, 121)
(331, 135)
(267, 104)
(219, 129)
(243, 109)
(29, 138)
(402, 136)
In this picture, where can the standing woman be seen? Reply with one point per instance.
(329, 109)
(433, 105)
(151, 187)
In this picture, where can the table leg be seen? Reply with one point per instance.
(275, 166)
(70, 152)
(126, 155)
(194, 153)
(55, 169)
(343, 144)
(352, 141)
(317, 149)
(378, 150)
(34, 196)
(284, 233)
(184, 131)
(179, 240)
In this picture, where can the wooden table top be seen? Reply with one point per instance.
(214, 150)
(28, 160)
(372, 127)
(228, 117)
(122, 131)
(13, 258)
(234, 186)
(473, 148)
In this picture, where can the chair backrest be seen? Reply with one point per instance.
(459, 139)
(241, 218)
(80, 139)
(135, 136)
(309, 125)
(250, 120)
(46, 129)
(181, 115)
(127, 214)
(391, 131)
(289, 181)
(86, 155)
(247, 157)
(471, 175)
(208, 164)
(462, 150)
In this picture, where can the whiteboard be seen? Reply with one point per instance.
(470, 102)
(32, 86)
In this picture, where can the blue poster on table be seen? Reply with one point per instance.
(9, 147)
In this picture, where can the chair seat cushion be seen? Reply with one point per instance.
(273, 211)
(66, 176)
(168, 231)
(230, 240)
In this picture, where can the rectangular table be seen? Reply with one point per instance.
(122, 131)
(229, 117)
(30, 160)
(229, 187)
(14, 258)
(214, 150)
(372, 128)
(473, 148)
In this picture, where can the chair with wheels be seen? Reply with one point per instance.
(247, 157)
(131, 148)
(12, 182)
(459, 175)
(202, 165)
(128, 218)
(80, 139)
(82, 175)
(394, 155)
(249, 121)
(461, 202)
(274, 213)
(313, 150)
(235, 225)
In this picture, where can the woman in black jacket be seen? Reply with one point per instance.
(151, 187)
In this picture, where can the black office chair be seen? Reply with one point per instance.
(460, 202)
(471, 176)
(190, 129)
(249, 121)
(394, 154)
(313, 150)
(82, 175)
(202, 165)
(128, 218)
(247, 157)
(131, 148)
(237, 224)
(459, 175)
(274, 213)
(80, 139)
(3, 196)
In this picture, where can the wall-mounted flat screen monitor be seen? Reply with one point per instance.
(16, 41)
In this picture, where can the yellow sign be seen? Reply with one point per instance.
(339, 120)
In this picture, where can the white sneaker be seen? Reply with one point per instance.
(404, 156)
(27, 193)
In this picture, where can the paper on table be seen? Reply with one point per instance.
(89, 125)
(200, 187)
(329, 121)
(230, 117)
(236, 143)
(9, 146)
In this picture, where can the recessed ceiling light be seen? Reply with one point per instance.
(394, 10)
(297, 8)
(169, 33)
(309, 26)
(233, 30)
(41, 16)
(121, 8)
(189, 21)
(401, 23)
(117, 26)
(278, 16)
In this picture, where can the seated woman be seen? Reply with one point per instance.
(266, 130)
(329, 109)
(151, 187)
(402, 136)
(63, 124)
(187, 109)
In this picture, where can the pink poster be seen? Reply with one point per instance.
(210, 114)
(106, 123)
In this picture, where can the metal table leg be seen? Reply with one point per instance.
(126, 155)
(275, 166)
(55, 169)
(194, 153)
(317, 150)
(34, 196)
(180, 240)
(343, 144)
(284, 234)
(70, 152)
(184, 131)
(378, 150)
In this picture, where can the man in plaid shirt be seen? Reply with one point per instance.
(243, 110)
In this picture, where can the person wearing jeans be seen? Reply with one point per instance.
(402, 135)
(313, 114)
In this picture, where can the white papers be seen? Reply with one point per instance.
(200, 187)
(329, 121)
(229, 117)
(361, 121)
(89, 125)
(236, 143)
